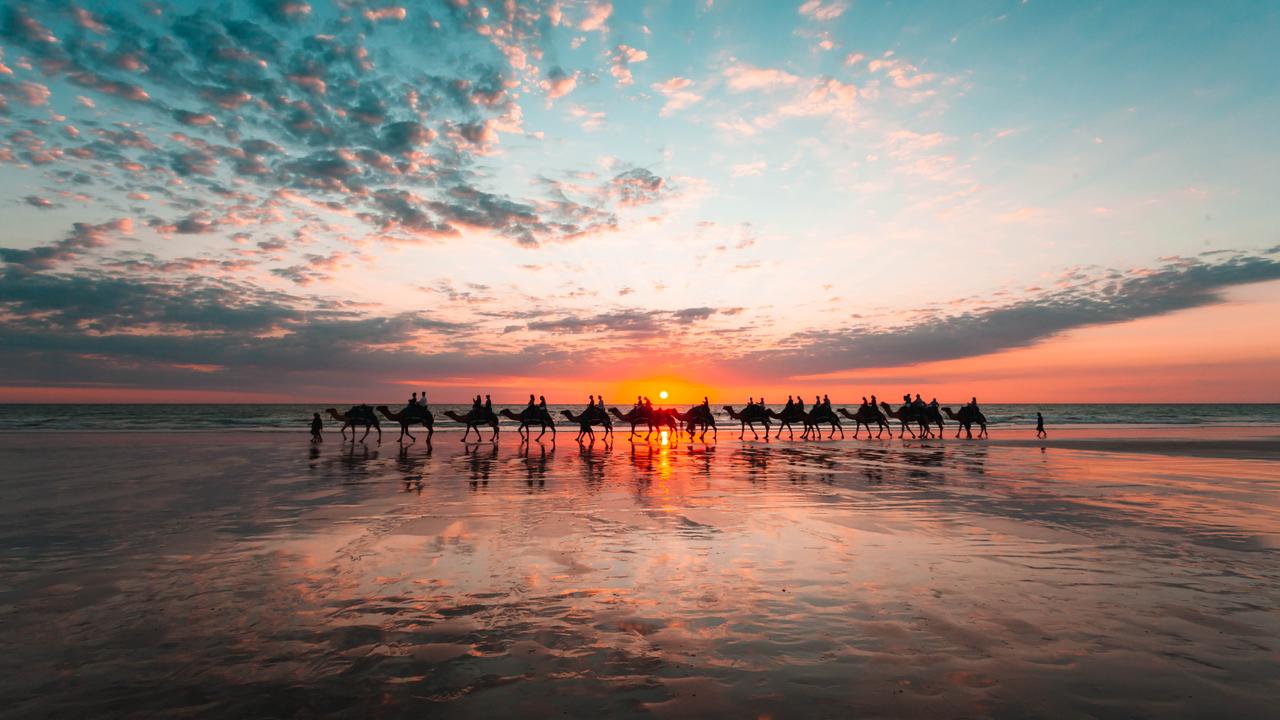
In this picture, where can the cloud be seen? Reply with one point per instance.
(744, 78)
(622, 58)
(558, 83)
(1082, 301)
(823, 12)
(82, 238)
(679, 96)
(596, 17)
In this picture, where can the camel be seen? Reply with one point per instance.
(531, 416)
(634, 417)
(904, 416)
(787, 418)
(410, 415)
(925, 417)
(590, 416)
(697, 415)
(748, 418)
(966, 418)
(473, 420)
(868, 415)
(357, 415)
(823, 414)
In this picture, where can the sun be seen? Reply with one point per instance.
(662, 395)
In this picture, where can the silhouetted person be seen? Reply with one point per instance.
(817, 402)
(488, 405)
(864, 401)
(799, 403)
(648, 404)
(918, 402)
(705, 403)
(826, 401)
(762, 402)
(1040, 433)
(934, 403)
(531, 403)
(542, 402)
(791, 403)
(600, 402)
(639, 402)
(475, 404)
(413, 401)
(592, 402)
(317, 427)
(422, 399)
(973, 403)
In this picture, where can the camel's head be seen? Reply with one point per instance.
(567, 414)
(332, 411)
(381, 408)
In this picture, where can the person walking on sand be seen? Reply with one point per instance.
(1040, 433)
(317, 427)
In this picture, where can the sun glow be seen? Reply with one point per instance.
(662, 395)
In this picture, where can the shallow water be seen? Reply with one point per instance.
(244, 576)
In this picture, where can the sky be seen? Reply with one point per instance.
(288, 200)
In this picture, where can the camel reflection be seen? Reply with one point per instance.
(535, 467)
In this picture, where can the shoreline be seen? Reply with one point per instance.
(1242, 443)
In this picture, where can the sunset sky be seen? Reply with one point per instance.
(278, 200)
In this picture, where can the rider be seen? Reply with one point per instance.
(542, 402)
(488, 405)
(919, 403)
(531, 403)
(592, 401)
(826, 401)
(973, 404)
(791, 403)
(413, 401)
(933, 404)
(475, 404)
(648, 404)
(422, 400)
(799, 403)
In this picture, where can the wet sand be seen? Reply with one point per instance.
(250, 575)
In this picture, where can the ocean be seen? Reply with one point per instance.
(296, 418)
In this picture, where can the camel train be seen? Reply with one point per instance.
(921, 422)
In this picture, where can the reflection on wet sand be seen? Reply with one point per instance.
(229, 576)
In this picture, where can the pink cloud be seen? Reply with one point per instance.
(597, 15)
(622, 57)
(822, 12)
(743, 78)
(678, 94)
(387, 13)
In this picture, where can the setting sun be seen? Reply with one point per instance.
(663, 395)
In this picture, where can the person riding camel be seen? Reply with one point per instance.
(826, 401)
(591, 403)
(918, 402)
(488, 405)
(864, 401)
(933, 404)
(648, 404)
(791, 403)
(413, 401)
(542, 402)
(531, 403)
(799, 403)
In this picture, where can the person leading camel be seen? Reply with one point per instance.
(317, 428)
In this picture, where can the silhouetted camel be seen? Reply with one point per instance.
(748, 418)
(787, 418)
(531, 416)
(698, 415)
(653, 418)
(589, 417)
(819, 414)
(906, 417)
(966, 418)
(410, 416)
(473, 420)
(357, 415)
(867, 415)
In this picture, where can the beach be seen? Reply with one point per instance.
(1102, 573)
